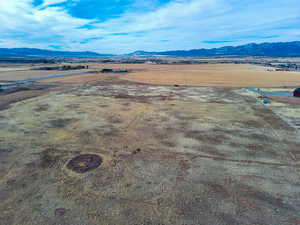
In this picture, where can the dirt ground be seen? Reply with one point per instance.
(170, 155)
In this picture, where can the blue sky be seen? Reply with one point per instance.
(123, 26)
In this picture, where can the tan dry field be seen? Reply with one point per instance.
(170, 155)
(216, 75)
(79, 79)
(11, 74)
(230, 75)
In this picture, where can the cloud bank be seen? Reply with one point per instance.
(129, 25)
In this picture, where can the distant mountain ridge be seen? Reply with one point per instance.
(279, 49)
(41, 53)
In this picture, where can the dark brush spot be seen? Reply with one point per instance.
(254, 147)
(111, 132)
(48, 158)
(136, 151)
(262, 137)
(7, 219)
(126, 104)
(73, 106)
(250, 123)
(42, 108)
(11, 182)
(169, 144)
(184, 116)
(60, 123)
(115, 120)
(228, 219)
(122, 95)
(5, 151)
(60, 212)
(215, 189)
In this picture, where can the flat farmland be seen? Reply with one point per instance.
(230, 75)
(215, 75)
(27, 73)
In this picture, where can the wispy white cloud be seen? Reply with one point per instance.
(52, 2)
(26, 24)
(180, 24)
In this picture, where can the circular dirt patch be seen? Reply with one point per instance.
(84, 163)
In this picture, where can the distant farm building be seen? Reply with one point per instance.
(297, 92)
(107, 71)
(114, 71)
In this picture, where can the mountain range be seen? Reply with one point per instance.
(279, 49)
(41, 53)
